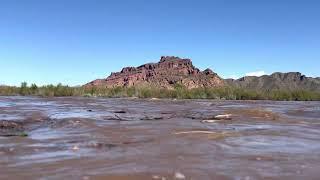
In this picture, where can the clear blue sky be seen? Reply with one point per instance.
(75, 41)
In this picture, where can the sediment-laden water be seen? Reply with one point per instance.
(95, 138)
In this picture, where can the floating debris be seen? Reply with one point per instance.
(209, 121)
(258, 113)
(223, 117)
(195, 132)
(210, 134)
(179, 175)
(23, 134)
(121, 119)
(218, 118)
(151, 118)
(158, 177)
(85, 177)
(75, 148)
(99, 145)
(138, 142)
(120, 112)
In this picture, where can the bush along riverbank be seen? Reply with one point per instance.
(179, 92)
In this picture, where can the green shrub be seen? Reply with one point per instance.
(179, 92)
(24, 90)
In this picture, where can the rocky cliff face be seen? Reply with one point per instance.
(167, 73)
(277, 81)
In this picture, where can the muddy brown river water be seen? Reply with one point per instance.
(96, 138)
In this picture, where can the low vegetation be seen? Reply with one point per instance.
(179, 92)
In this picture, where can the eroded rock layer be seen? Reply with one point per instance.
(167, 73)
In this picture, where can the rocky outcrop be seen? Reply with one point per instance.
(171, 71)
(167, 73)
(11, 128)
(277, 81)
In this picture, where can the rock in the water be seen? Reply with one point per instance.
(10, 125)
(11, 128)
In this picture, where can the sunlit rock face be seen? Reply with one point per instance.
(167, 73)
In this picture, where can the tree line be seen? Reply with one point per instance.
(178, 92)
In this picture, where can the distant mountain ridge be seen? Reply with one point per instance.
(171, 71)
(277, 81)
